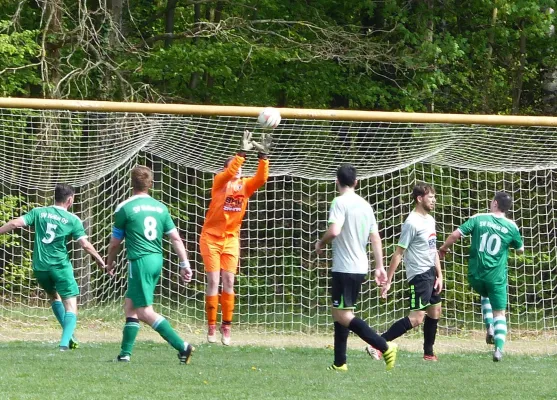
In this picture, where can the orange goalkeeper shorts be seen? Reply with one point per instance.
(220, 253)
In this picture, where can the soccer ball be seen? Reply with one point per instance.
(269, 118)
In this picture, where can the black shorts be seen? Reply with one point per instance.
(422, 294)
(345, 289)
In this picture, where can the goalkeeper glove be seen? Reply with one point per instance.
(265, 146)
(246, 142)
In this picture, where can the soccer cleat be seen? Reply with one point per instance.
(123, 358)
(373, 352)
(489, 335)
(73, 344)
(497, 355)
(64, 348)
(342, 368)
(225, 331)
(185, 355)
(430, 357)
(212, 334)
(390, 356)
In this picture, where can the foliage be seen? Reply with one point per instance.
(450, 56)
(18, 67)
(16, 274)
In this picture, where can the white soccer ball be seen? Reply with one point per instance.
(269, 118)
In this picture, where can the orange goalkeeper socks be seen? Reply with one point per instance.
(227, 306)
(211, 307)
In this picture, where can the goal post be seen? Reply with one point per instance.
(282, 286)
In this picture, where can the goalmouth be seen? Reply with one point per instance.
(282, 287)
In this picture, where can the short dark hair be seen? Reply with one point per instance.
(346, 175)
(420, 190)
(142, 178)
(62, 192)
(504, 201)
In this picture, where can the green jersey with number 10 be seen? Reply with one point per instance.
(53, 225)
(491, 238)
(142, 221)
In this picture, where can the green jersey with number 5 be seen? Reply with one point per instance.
(53, 225)
(142, 221)
(492, 237)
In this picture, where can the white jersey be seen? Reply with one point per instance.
(357, 221)
(419, 241)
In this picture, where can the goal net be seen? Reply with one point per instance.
(282, 287)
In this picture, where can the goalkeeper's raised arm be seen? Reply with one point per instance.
(220, 237)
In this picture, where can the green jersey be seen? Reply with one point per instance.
(53, 226)
(491, 238)
(142, 221)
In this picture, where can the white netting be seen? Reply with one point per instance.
(282, 287)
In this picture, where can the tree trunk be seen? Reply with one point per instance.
(490, 44)
(194, 80)
(517, 89)
(430, 26)
(116, 8)
(491, 35)
(52, 11)
(217, 15)
(169, 21)
(550, 83)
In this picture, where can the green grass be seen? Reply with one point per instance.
(38, 371)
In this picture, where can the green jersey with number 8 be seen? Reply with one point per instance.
(142, 221)
(53, 225)
(491, 238)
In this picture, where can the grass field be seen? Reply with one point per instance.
(35, 370)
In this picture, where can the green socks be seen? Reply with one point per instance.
(162, 326)
(487, 312)
(59, 311)
(500, 325)
(128, 336)
(68, 328)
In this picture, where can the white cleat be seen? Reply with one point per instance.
(373, 352)
(225, 331)
(497, 355)
(489, 335)
(212, 334)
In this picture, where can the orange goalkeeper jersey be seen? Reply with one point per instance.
(229, 198)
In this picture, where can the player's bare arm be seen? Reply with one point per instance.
(113, 248)
(332, 232)
(452, 239)
(90, 249)
(11, 225)
(438, 286)
(393, 265)
(377, 247)
(178, 245)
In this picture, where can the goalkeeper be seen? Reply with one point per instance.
(220, 237)
(492, 235)
(51, 265)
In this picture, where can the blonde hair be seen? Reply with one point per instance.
(142, 178)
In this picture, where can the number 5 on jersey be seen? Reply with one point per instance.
(50, 232)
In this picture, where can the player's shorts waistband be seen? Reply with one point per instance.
(145, 256)
(222, 236)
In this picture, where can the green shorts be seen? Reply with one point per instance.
(58, 280)
(497, 292)
(143, 276)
